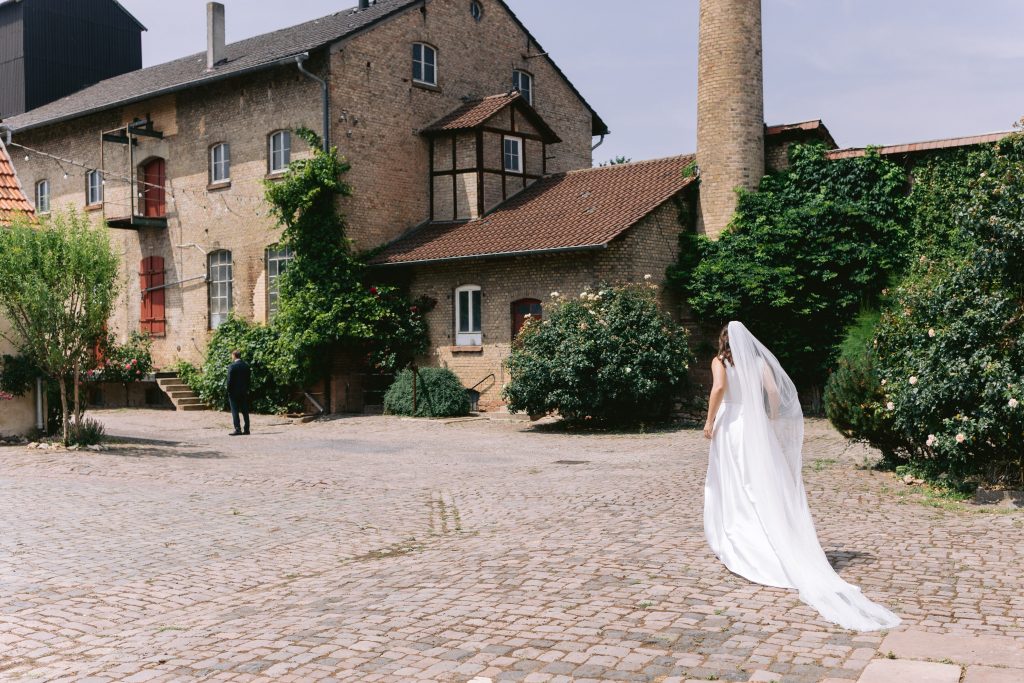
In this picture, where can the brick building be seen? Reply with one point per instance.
(20, 415)
(470, 154)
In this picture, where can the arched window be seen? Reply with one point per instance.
(278, 259)
(43, 196)
(523, 310)
(93, 188)
(152, 178)
(523, 82)
(424, 64)
(468, 316)
(220, 163)
(280, 153)
(219, 279)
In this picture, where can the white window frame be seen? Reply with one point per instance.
(279, 153)
(220, 163)
(469, 332)
(509, 157)
(519, 77)
(220, 286)
(43, 196)
(93, 188)
(277, 260)
(420, 64)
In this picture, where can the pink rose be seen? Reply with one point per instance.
(960, 438)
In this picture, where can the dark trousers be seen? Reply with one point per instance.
(239, 404)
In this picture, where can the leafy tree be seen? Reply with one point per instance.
(57, 289)
(326, 299)
(801, 256)
(611, 356)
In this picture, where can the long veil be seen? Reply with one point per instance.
(772, 439)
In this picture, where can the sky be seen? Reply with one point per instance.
(875, 71)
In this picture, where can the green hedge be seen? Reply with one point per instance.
(439, 393)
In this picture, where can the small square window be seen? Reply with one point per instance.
(424, 64)
(514, 155)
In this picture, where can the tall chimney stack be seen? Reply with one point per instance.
(214, 34)
(730, 107)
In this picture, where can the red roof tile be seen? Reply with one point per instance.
(476, 113)
(13, 202)
(578, 210)
(910, 148)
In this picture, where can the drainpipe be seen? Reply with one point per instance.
(599, 143)
(299, 59)
(40, 419)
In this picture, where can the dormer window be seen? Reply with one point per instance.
(523, 82)
(424, 64)
(280, 151)
(513, 154)
(43, 196)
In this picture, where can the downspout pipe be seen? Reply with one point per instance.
(599, 143)
(300, 62)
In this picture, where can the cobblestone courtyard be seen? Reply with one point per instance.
(382, 549)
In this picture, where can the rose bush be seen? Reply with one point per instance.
(610, 356)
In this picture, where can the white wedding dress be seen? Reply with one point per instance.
(756, 517)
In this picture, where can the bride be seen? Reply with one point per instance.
(756, 517)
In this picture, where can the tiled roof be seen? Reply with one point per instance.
(910, 148)
(477, 112)
(571, 211)
(252, 54)
(815, 128)
(13, 202)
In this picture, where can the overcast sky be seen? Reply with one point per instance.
(876, 71)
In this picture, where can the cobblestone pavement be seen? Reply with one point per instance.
(384, 549)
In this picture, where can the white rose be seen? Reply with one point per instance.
(890, 406)
(1013, 403)
(913, 380)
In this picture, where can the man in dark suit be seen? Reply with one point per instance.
(238, 392)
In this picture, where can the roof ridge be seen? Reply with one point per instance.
(924, 142)
(641, 162)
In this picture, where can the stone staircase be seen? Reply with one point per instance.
(179, 393)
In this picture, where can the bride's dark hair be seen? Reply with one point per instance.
(724, 352)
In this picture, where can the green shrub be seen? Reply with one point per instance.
(259, 346)
(611, 356)
(89, 433)
(801, 256)
(855, 401)
(950, 348)
(18, 375)
(439, 393)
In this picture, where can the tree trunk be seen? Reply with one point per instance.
(65, 417)
(78, 402)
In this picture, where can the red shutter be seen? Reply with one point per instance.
(151, 276)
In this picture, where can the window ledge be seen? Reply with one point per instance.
(426, 86)
(466, 349)
(219, 185)
(93, 207)
(276, 175)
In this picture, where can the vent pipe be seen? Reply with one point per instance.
(214, 35)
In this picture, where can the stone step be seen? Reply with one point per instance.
(170, 383)
(179, 393)
(188, 401)
(165, 374)
(192, 408)
(893, 670)
(988, 650)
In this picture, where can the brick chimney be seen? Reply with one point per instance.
(730, 107)
(215, 40)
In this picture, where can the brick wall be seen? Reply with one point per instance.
(730, 107)
(233, 217)
(646, 249)
(378, 112)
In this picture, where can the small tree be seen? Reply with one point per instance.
(57, 289)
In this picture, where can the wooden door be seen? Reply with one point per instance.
(154, 197)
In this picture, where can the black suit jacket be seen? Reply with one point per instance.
(239, 376)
